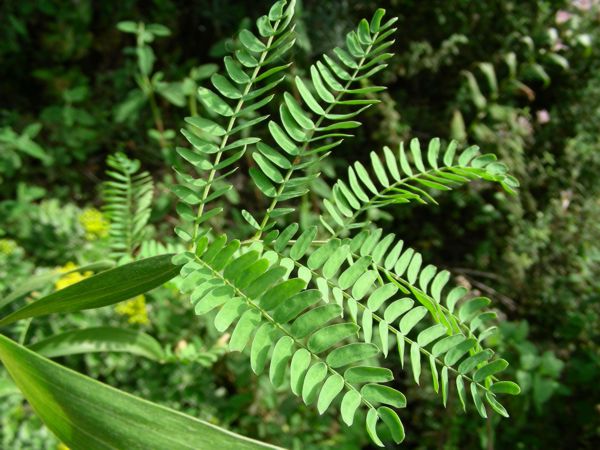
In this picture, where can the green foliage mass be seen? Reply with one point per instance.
(354, 269)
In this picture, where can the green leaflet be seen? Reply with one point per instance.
(457, 352)
(370, 242)
(335, 261)
(431, 334)
(282, 139)
(392, 421)
(222, 258)
(281, 292)
(445, 344)
(380, 295)
(397, 308)
(298, 368)
(376, 20)
(230, 311)
(213, 102)
(479, 406)
(235, 267)
(321, 255)
(444, 383)
(432, 152)
(297, 112)
(315, 375)
(473, 361)
(290, 125)
(330, 390)
(415, 361)
(371, 425)
(315, 319)
(434, 373)
(212, 296)
(490, 369)
(308, 98)
(368, 374)
(354, 272)
(379, 170)
(206, 125)
(376, 393)
(261, 345)
(367, 325)
(285, 236)
(290, 309)
(268, 169)
(438, 284)
(505, 387)
(281, 355)
(411, 318)
(425, 276)
(351, 353)
(403, 261)
(264, 282)
(413, 268)
(384, 337)
(364, 284)
(350, 404)
(252, 273)
(225, 88)
(495, 404)
(326, 337)
(301, 246)
(462, 393)
(401, 345)
(272, 155)
(251, 42)
(263, 182)
(329, 77)
(471, 307)
(322, 91)
(454, 296)
(243, 329)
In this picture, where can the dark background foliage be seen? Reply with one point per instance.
(68, 99)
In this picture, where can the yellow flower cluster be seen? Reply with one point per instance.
(135, 309)
(69, 278)
(7, 246)
(94, 223)
(62, 446)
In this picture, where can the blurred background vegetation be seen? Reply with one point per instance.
(519, 78)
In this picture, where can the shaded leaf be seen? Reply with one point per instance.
(84, 413)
